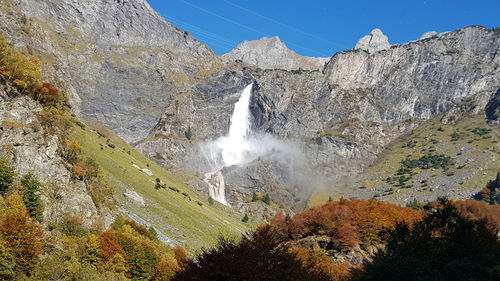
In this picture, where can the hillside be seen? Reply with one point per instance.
(452, 155)
(181, 215)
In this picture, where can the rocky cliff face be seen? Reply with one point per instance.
(271, 53)
(120, 61)
(341, 117)
(31, 148)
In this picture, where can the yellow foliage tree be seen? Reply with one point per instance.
(24, 72)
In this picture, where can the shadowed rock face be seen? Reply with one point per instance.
(271, 53)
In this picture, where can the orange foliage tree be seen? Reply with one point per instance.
(21, 235)
(350, 222)
(109, 245)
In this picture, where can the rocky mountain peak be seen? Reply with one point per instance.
(429, 34)
(373, 42)
(272, 53)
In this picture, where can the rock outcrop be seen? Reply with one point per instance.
(31, 148)
(429, 34)
(373, 42)
(272, 53)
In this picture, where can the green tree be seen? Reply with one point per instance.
(31, 196)
(210, 200)
(266, 199)
(6, 175)
(188, 133)
(255, 197)
(245, 218)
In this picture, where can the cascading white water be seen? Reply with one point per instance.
(231, 149)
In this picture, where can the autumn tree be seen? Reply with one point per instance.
(24, 72)
(259, 257)
(443, 246)
(7, 264)
(109, 245)
(21, 235)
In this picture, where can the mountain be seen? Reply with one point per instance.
(272, 53)
(342, 117)
(168, 95)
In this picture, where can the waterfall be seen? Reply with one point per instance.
(231, 149)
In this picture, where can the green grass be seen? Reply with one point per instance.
(471, 138)
(179, 217)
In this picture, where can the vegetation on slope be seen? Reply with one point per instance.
(434, 160)
(180, 213)
(449, 241)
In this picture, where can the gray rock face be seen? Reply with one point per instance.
(120, 61)
(373, 42)
(341, 117)
(271, 53)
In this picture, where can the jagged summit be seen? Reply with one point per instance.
(429, 34)
(271, 53)
(373, 42)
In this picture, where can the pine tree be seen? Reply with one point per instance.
(330, 199)
(32, 195)
(266, 199)
(255, 197)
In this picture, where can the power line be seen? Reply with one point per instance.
(202, 32)
(244, 26)
(284, 24)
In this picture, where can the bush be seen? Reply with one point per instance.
(72, 225)
(6, 175)
(245, 218)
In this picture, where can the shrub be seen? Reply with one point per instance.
(6, 175)
(72, 151)
(72, 225)
(47, 94)
(245, 218)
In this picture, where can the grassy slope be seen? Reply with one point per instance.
(182, 220)
(475, 161)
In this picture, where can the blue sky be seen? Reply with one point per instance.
(321, 27)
